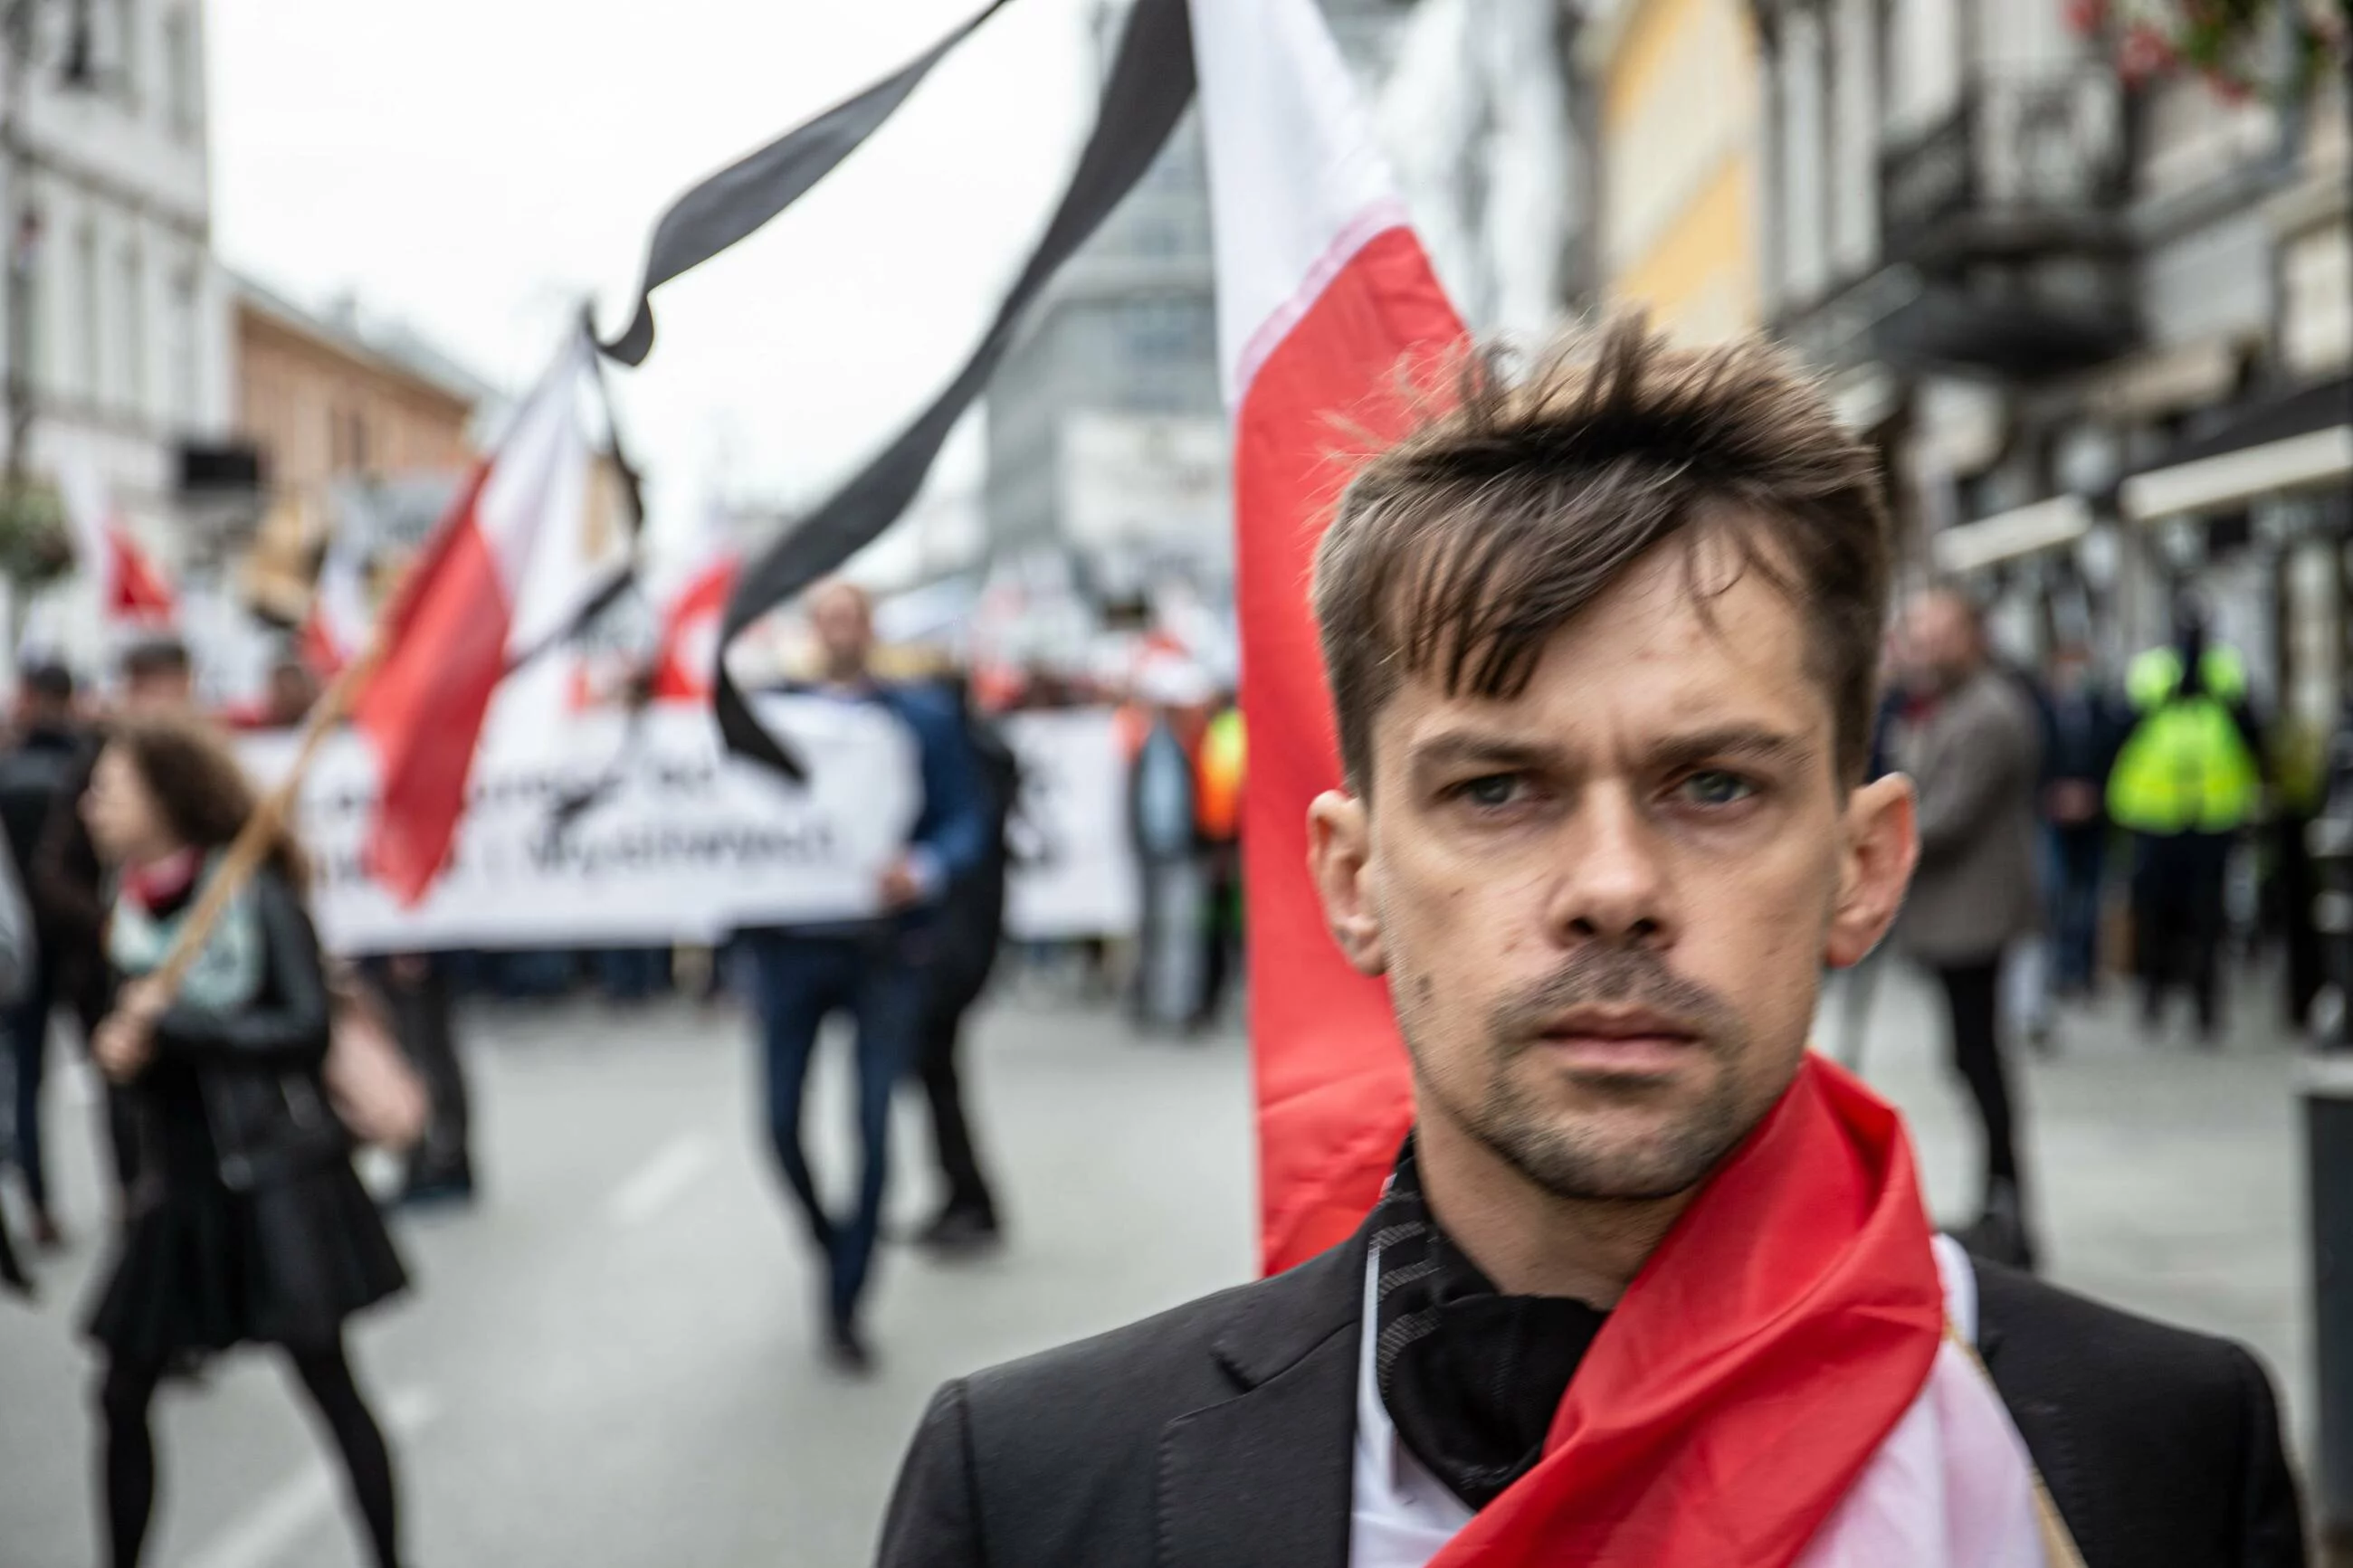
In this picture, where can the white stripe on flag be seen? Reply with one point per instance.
(1297, 181)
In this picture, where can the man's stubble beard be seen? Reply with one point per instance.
(1571, 1162)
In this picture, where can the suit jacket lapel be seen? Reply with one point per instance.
(2050, 1441)
(1263, 1479)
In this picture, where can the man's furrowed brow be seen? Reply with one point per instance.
(1454, 749)
(1754, 744)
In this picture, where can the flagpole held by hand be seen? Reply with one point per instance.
(438, 672)
(254, 841)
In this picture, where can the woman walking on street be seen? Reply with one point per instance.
(247, 1224)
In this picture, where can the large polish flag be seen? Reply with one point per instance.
(1901, 1450)
(508, 572)
(1326, 305)
(131, 587)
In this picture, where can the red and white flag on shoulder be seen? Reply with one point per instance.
(131, 587)
(1325, 303)
(509, 571)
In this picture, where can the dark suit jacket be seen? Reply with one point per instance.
(1221, 1436)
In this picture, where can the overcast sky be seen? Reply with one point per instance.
(478, 166)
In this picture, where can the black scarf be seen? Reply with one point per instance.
(1470, 1376)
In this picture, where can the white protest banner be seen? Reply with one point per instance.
(677, 842)
(1073, 857)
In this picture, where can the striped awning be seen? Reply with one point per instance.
(2007, 535)
(2301, 441)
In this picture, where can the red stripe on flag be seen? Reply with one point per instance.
(1333, 1093)
(139, 590)
(425, 705)
(689, 639)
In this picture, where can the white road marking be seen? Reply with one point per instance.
(662, 1180)
(262, 1536)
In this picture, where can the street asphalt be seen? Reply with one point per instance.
(611, 1360)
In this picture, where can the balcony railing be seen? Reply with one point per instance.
(2021, 163)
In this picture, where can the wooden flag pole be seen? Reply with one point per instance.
(259, 833)
(255, 840)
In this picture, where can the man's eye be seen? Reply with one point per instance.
(1489, 793)
(1715, 787)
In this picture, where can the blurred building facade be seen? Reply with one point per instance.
(2099, 322)
(340, 408)
(117, 343)
(1108, 470)
(1677, 104)
(1494, 149)
(1105, 425)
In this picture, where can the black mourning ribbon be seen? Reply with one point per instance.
(1469, 1377)
(740, 198)
(1147, 92)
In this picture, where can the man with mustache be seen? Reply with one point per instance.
(1649, 1284)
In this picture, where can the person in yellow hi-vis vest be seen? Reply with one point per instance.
(1218, 770)
(2189, 777)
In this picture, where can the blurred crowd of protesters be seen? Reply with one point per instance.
(2072, 826)
(905, 979)
(941, 923)
(55, 737)
(236, 1215)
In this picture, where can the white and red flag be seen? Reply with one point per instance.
(131, 587)
(508, 572)
(341, 619)
(1784, 1405)
(1325, 298)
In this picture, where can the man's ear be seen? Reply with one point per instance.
(1883, 845)
(1339, 855)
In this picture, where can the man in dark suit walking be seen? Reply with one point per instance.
(874, 968)
(1649, 1284)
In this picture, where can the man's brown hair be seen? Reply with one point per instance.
(1458, 552)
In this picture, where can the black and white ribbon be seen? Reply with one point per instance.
(1147, 92)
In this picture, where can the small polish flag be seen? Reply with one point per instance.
(508, 572)
(131, 587)
(341, 620)
(1325, 298)
(692, 611)
(690, 637)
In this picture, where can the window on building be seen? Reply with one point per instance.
(131, 338)
(89, 287)
(183, 74)
(126, 61)
(1922, 40)
(31, 330)
(181, 350)
(1158, 236)
(1854, 138)
(1802, 144)
(1166, 333)
(347, 440)
(1167, 345)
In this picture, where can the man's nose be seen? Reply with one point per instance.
(1611, 886)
